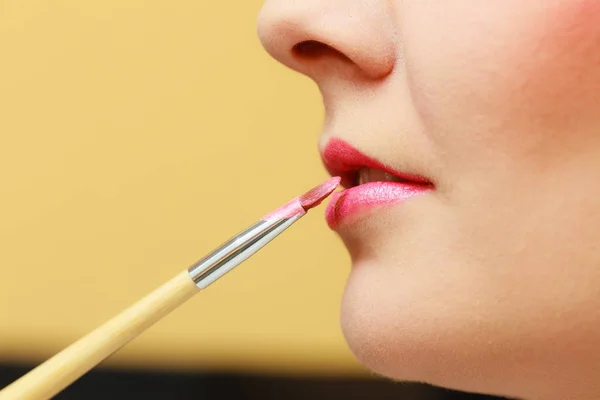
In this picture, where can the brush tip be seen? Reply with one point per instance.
(316, 195)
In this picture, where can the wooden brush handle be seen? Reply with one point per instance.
(64, 368)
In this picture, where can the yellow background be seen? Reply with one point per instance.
(135, 137)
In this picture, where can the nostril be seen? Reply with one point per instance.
(312, 49)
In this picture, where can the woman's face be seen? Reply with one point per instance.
(488, 279)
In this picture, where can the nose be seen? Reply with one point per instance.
(323, 37)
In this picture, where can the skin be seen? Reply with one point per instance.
(491, 282)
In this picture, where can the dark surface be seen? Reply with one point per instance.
(119, 384)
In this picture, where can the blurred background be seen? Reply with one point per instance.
(134, 137)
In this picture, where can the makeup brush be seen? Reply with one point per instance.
(52, 376)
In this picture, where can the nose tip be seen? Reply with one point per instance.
(316, 37)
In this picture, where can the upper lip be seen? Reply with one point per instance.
(344, 160)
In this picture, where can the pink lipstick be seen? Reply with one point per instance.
(368, 182)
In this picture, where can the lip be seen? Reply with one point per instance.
(344, 160)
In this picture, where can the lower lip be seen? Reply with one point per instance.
(347, 205)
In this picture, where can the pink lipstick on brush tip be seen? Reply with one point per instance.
(303, 203)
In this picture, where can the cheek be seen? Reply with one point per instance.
(494, 71)
(557, 73)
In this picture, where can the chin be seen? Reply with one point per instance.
(411, 310)
(432, 329)
(402, 337)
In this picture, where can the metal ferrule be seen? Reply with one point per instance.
(236, 250)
